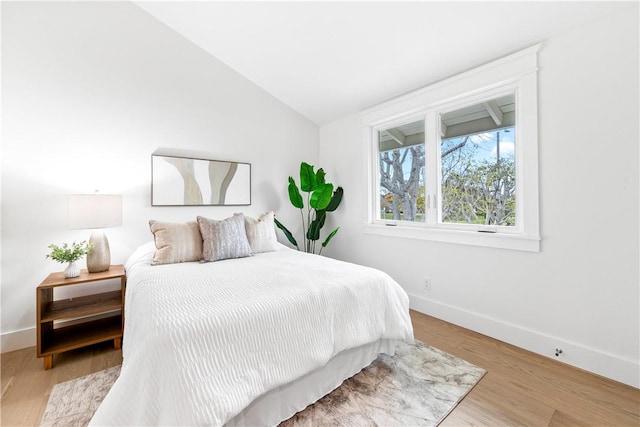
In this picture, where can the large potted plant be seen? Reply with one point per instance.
(320, 199)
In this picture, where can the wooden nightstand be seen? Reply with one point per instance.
(96, 318)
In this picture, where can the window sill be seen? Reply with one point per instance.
(491, 240)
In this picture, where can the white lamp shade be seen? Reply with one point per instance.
(94, 210)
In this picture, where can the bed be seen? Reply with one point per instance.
(247, 341)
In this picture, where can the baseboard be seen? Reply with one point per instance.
(592, 360)
(17, 340)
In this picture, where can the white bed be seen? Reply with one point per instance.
(247, 341)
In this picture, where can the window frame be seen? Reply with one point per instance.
(517, 74)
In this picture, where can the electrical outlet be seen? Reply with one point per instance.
(427, 284)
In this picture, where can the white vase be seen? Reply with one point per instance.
(72, 270)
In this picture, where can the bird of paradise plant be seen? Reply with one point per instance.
(321, 198)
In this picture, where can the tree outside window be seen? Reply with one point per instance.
(477, 180)
(402, 160)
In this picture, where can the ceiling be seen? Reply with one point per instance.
(330, 59)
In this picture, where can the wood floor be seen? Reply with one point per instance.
(520, 388)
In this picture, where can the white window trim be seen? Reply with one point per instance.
(516, 73)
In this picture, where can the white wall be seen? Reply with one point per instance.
(581, 292)
(89, 91)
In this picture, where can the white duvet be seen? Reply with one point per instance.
(203, 340)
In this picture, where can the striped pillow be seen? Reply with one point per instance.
(176, 242)
(261, 233)
(223, 239)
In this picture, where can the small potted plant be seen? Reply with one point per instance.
(71, 254)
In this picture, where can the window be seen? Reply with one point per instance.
(477, 164)
(457, 161)
(401, 155)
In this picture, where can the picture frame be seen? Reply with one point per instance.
(191, 181)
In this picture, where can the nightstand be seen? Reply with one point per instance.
(80, 321)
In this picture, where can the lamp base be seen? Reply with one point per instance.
(99, 257)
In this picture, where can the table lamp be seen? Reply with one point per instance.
(96, 211)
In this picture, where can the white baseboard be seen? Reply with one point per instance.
(592, 360)
(17, 340)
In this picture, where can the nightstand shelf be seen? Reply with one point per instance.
(83, 306)
(82, 334)
(80, 321)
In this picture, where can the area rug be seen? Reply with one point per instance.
(418, 386)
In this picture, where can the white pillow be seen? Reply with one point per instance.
(261, 233)
(143, 255)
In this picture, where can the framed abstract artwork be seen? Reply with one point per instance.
(187, 181)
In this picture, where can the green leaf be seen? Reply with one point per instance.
(320, 176)
(313, 233)
(294, 194)
(287, 233)
(66, 253)
(335, 200)
(321, 196)
(308, 180)
(326, 241)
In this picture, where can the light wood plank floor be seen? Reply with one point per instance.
(520, 388)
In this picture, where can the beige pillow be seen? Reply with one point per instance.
(176, 242)
(261, 233)
(223, 239)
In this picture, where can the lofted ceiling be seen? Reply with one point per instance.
(330, 59)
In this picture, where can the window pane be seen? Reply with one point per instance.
(402, 160)
(478, 180)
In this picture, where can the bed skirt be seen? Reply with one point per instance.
(283, 402)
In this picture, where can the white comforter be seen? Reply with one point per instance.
(202, 341)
